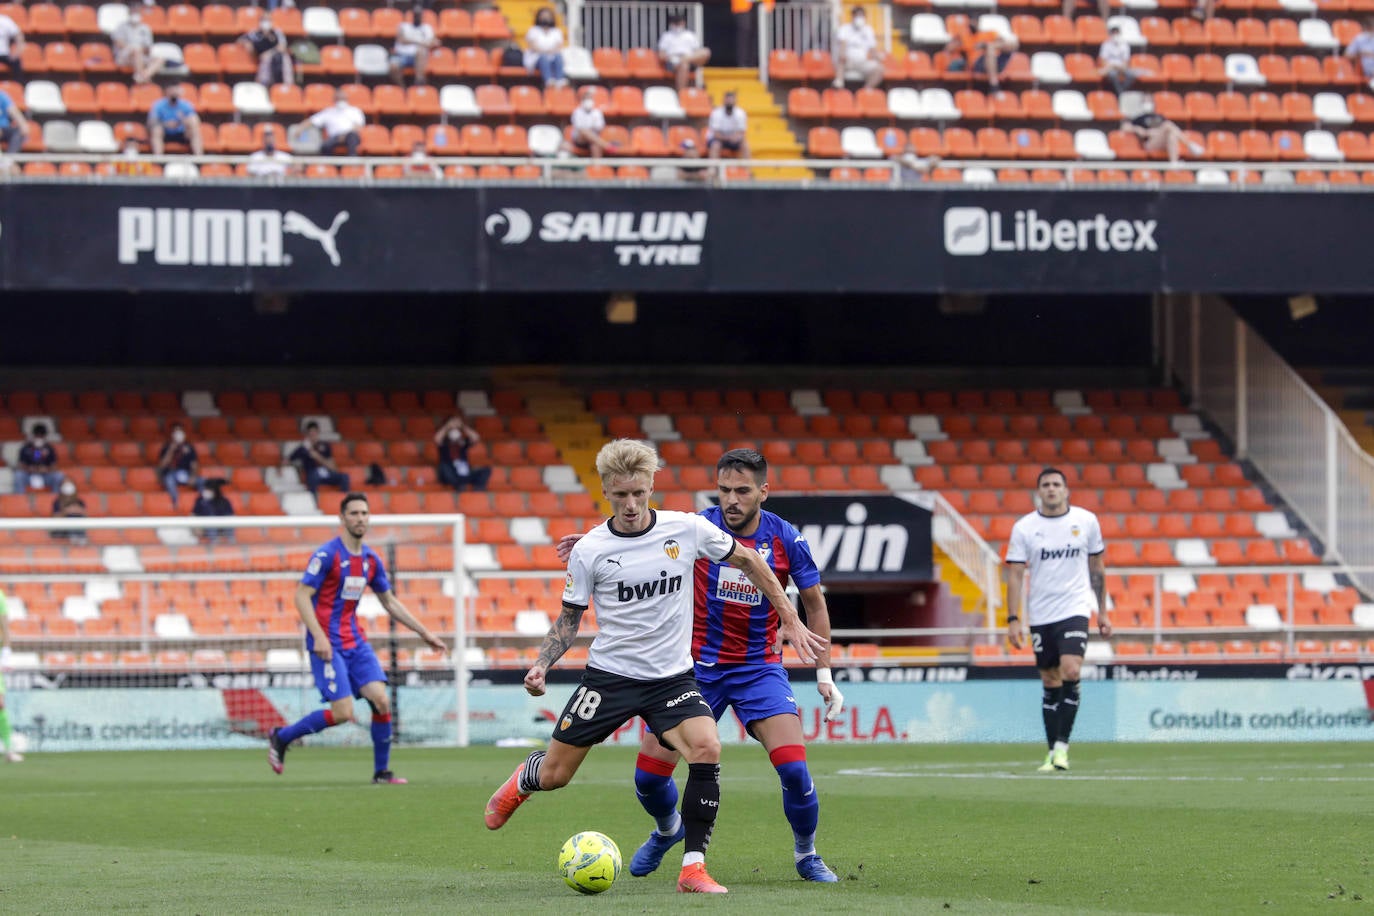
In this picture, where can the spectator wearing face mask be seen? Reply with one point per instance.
(587, 122)
(68, 504)
(726, 130)
(859, 56)
(36, 467)
(271, 161)
(414, 40)
(178, 465)
(274, 57)
(340, 124)
(680, 50)
(314, 460)
(211, 502)
(544, 48)
(455, 439)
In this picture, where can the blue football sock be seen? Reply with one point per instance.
(317, 721)
(381, 742)
(799, 801)
(657, 792)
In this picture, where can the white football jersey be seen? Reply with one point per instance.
(643, 590)
(1056, 549)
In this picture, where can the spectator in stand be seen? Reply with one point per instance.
(1114, 62)
(588, 123)
(727, 129)
(414, 40)
(212, 503)
(133, 47)
(987, 52)
(11, 46)
(689, 151)
(859, 57)
(1362, 47)
(419, 165)
(1203, 9)
(340, 125)
(270, 161)
(544, 48)
(178, 465)
(1157, 133)
(172, 119)
(132, 164)
(680, 50)
(36, 467)
(314, 460)
(14, 127)
(1103, 8)
(455, 440)
(274, 57)
(67, 504)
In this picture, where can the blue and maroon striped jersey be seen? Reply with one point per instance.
(339, 578)
(735, 624)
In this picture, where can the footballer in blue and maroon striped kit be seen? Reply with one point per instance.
(341, 658)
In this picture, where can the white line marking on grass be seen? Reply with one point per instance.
(1107, 776)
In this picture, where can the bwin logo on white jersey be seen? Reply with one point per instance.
(183, 237)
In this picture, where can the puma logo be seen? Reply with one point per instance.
(298, 224)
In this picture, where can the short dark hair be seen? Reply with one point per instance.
(351, 497)
(39, 429)
(312, 425)
(1050, 471)
(674, 18)
(744, 459)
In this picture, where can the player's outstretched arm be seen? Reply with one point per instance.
(557, 641)
(1016, 582)
(402, 615)
(818, 620)
(790, 627)
(305, 607)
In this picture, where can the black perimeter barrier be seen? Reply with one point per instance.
(304, 238)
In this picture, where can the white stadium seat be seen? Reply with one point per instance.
(1130, 31)
(1091, 143)
(1321, 145)
(996, 22)
(662, 102)
(111, 16)
(979, 175)
(1330, 108)
(859, 143)
(1213, 176)
(60, 137)
(1242, 70)
(904, 102)
(321, 22)
(96, 137)
(252, 99)
(577, 64)
(458, 101)
(1316, 33)
(371, 60)
(545, 140)
(1047, 67)
(938, 105)
(929, 29)
(42, 97)
(1070, 105)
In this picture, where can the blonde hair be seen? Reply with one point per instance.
(626, 458)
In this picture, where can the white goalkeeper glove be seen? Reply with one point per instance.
(834, 700)
(6, 658)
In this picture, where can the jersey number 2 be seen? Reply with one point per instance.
(1035, 642)
(585, 702)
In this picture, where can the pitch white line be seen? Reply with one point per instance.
(1108, 776)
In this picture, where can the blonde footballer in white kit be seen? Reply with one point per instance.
(1061, 547)
(637, 567)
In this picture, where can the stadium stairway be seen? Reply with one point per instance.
(769, 135)
(960, 585)
(520, 15)
(573, 430)
(1349, 392)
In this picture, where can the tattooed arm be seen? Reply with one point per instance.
(558, 640)
(1097, 575)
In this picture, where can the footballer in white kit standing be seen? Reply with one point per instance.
(638, 567)
(1061, 547)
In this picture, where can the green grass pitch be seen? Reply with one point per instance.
(910, 829)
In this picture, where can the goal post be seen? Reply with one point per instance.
(196, 615)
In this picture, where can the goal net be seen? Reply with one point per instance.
(170, 633)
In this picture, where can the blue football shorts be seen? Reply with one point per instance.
(347, 672)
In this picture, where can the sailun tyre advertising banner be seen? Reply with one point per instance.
(948, 704)
(922, 239)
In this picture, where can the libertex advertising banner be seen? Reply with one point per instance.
(925, 238)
